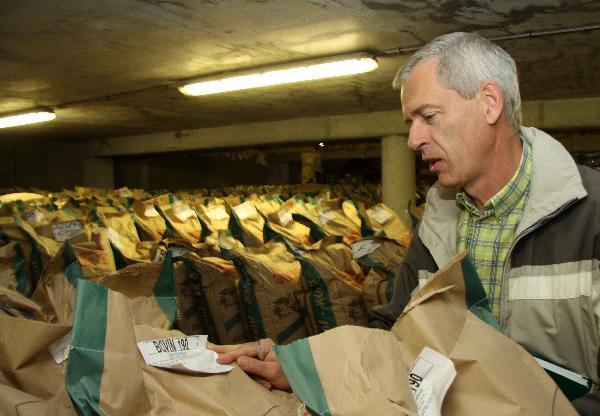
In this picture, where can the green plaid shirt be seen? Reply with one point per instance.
(487, 236)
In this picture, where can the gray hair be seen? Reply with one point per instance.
(467, 60)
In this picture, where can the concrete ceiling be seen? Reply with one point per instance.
(109, 67)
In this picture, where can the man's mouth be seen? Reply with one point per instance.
(434, 164)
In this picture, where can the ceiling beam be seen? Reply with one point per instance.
(580, 113)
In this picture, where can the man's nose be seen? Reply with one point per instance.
(417, 136)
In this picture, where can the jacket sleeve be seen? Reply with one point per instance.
(406, 280)
(589, 405)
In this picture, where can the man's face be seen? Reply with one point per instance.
(447, 129)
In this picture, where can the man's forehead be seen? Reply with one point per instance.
(421, 87)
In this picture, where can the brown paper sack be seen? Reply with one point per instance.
(213, 282)
(357, 371)
(269, 279)
(18, 241)
(383, 260)
(57, 288)
(118, 382)
(349, 371)
(31, 383)
(214, 213)
(384, 222)
(338, 217)
(331, 286)
(282, 223)
(495, 375)
(123, 236)
(188, 319)
(246, 224)
(183, 221)
(149, 221)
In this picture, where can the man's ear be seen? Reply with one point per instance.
(491, 99)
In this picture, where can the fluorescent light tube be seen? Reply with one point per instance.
(306, 71)
(33, 116)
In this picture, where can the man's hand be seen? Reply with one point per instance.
(256, 358)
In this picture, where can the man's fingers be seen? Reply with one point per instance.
(261, 369)
(219, 349)
(248, 350)
(269, 370)
(267, 385)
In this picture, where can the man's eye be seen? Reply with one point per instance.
(429, 116)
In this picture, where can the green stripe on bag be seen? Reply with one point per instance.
(268, 232)
(250, 306)
(201, 305)
(299, 367)
(23, 284)
(86, 357)
(290, 330)
(164, 290)
(389, 289)
(73, 273)
(247, 295)
(319, 296)
(235, 227)
(72, 269)
(231, 323)
(316, 233)
(475, 296)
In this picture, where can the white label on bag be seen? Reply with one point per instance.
(67, 230)
(150, 211)
(179, 251)
(186, 353)
(125, 193)
(225, 244)
(379, 214)
(284, 217)
(326, 216)
(158, 257)
(59, 349)
(217, 213)
(183, 212)
(430, 377)
(363, 247)
(114, 237)
(33, 216)
(245, 210)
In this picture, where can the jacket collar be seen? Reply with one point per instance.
(555, 179)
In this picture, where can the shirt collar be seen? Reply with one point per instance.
(509, 196)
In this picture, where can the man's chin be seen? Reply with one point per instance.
(447, 182)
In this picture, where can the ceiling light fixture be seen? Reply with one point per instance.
(36, 115)
(283, 74)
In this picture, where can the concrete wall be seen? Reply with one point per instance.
(137, 162)
(46, 164)
(181, 171)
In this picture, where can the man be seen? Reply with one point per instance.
(511, 196)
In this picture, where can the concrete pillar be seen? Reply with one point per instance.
(398, 178)
(311, 165)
